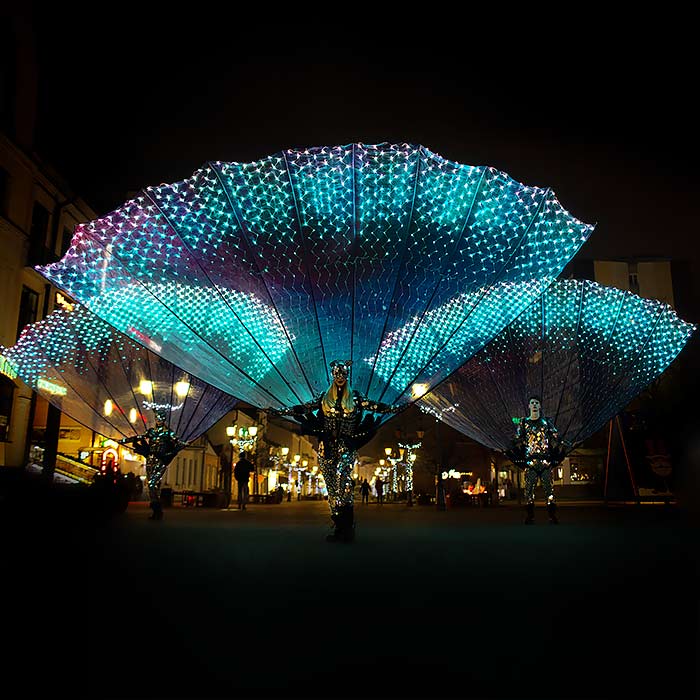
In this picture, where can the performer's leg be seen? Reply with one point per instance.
(338, 476)
(330, 476)
(530, 483)
(548, 487)
(155, 470)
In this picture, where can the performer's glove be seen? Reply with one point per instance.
(294, 410)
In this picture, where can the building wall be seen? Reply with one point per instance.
(27, 181)
(196, 468)
(650, 279)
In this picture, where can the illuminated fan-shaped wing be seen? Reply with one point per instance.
(109, 383)
(255, 276)
(586, 349)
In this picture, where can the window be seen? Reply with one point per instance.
(69, 434)
(40, 225)
(39, 250)
(65, 240)
(633, 277)
(7, 389)
(28, 306)
(582, 473)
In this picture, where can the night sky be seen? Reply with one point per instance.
(599, 111)
(597, 108)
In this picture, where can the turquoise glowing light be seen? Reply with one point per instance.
(254, 276)
(107, 382)
(586, 349)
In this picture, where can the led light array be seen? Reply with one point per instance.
(585, 349)
(109, 383)
(256, 275)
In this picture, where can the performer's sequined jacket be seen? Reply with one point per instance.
(156, 443)
(334, 427)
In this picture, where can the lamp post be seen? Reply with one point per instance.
(389, 451)
(441, 496)
(247, 440)
(150, 389)
(313, 480)
(304, 468)
(231, 433)
(408, 463)
(297, 458)
(245, 437)
(287, 467)
(380, 471)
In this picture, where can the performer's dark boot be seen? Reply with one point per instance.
(529, 514)
(552, 513)
(157, 508)
(348, 530)
(336, 517)
(344, 520)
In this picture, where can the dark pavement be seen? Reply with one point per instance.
(462, 603)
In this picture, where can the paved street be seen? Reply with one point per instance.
(462, 603)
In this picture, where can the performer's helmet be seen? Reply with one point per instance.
(340, 369)
(161, 415)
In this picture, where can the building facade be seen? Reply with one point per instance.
(38, 214)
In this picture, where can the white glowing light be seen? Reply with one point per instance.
(182, 389)
(418, 390)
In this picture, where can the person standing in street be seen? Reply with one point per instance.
(379, 486)
(242, 471)
(364, 491)
(343, 420)
(158, 445)
(538, 448)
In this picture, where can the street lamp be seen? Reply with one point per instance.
(297, 459)
(313, 480)
(408, 464)
(284, 451)
(304, 468)
(231, 433)
(245, 437)
(389, 451)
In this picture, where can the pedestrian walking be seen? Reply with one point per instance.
(379, 487)
(364, 491)
(242, 472)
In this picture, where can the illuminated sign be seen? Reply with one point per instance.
(63, 302)
(50, 387)
(110, 460)
(6, 368)
(452, 474)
